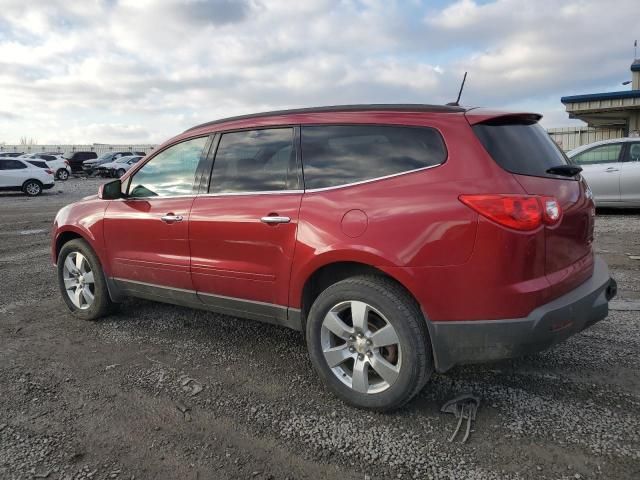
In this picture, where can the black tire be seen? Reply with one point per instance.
(402, 312)
(62, 174)
(102, 304)
(120, 172)
(33, 188)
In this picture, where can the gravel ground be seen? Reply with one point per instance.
(158, 391)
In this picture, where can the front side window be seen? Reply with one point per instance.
(12, 165)
(633, 153)
(339, 155)
(255, 161)
(603, 154)
(169, 173)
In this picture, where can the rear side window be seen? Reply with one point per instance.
(340, 155)
(520, 146)
(255, 161)
(39, 164)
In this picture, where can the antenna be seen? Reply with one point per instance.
(457, 102)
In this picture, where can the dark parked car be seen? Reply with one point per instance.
(401, 239)
(91, 166)
(76, 159)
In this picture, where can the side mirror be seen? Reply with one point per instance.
(110, 191)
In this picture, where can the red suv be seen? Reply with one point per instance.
(401, 239)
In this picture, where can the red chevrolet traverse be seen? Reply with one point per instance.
(401, 239)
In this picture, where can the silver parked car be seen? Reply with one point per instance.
(612, 169)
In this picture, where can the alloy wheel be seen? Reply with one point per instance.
(361, 347)
(33, 188)
(78, 280)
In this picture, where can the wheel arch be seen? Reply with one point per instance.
(329, 273)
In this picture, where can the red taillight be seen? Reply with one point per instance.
(50, 172)
(67, 162)
(520, 212)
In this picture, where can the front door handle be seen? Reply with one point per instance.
(274, 219)
(612, 169)
(171, 218)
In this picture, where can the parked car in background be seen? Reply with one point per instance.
(90, 166)
(612, 170)
(119, 167)
(401, 239)
(19, 175)
(56, 162)
(10, 154)
(77, 158)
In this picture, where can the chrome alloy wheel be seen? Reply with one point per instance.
(361, 347)
(33, 188)
(78, 280)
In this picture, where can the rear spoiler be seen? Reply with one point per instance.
(483, 115)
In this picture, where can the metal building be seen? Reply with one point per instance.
(609, 110)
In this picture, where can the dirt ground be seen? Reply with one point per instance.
(159, 391)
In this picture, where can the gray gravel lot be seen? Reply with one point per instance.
(158, 391)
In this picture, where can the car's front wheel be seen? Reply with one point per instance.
(120, 172)
(62, 174)
(33, 188)
(367, 340)
(82, 282)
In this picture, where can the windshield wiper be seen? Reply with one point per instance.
(565, 170)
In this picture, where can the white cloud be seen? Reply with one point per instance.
(110, 70)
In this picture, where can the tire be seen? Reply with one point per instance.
(120, 172)
(101, 304)
(62, 174)
(387, 304)
(33, 188)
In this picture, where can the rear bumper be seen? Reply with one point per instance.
(461, 342)
(47, 186)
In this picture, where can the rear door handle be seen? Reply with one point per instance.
(612, 169)
(274, 219)
(171, 218)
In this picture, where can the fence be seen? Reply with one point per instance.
(99, 148)
(569, 138)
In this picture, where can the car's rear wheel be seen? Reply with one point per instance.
(33, 188)
(368, 341)
(62, 174)
(82, 282)
(120, 172)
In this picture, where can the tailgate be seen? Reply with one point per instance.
(570, 240)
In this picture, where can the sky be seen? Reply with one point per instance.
(141, 71)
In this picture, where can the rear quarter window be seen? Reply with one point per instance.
(342, 154)
(522, 147)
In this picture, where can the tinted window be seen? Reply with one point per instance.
(169, 173)
(39, 164)
(338, 155)
(47, 157)
(255, 161)
(521, 147)
(11, 165)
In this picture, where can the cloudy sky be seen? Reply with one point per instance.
(142, 70)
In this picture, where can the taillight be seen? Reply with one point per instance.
(520, 212)
(67, 162)
(50, 172)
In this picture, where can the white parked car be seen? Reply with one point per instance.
(19, 175)
(118, 167)
(55, 162)
(612, 169)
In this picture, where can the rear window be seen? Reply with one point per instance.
(340, 155)
(521, 146)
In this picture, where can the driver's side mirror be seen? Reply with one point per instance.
(111, 190)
